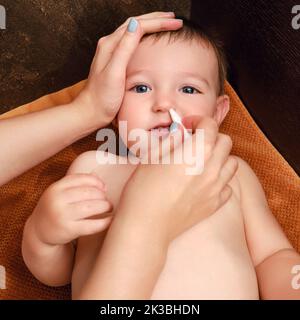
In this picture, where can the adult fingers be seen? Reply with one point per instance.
(223, 189)
(191, 148)
(164, 148)
(224, 196)
(221, 151)
(228, 170)
(120, 57)
(107, 44)
(210, 130)
(150, 15)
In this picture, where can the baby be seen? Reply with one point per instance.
(222, 256)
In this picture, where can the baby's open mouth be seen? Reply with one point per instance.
(160, 130)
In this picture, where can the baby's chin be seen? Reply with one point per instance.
(151, 149)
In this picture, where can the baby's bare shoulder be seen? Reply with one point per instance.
(98, 160)
(108, 167)
(84, 163)
(244, 171)
(239, 179)
(249, 183)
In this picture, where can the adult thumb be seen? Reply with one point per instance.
(194, 122)
(224, 195)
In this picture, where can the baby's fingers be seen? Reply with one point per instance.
(83, 193)
(78, 180)
(91, 226)
(90, 208)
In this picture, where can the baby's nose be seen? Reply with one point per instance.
(163, 107)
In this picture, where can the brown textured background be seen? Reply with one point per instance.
(264, 55)
(49, 45)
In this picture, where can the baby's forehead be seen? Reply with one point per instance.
(178, 48)
(180, 54)
(188, 43)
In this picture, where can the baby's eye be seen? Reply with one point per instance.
(142, 86)
(191, 89)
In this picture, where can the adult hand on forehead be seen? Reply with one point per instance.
(102, 96)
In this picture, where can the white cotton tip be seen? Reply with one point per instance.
(176, 118)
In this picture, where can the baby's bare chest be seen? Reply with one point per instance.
(210, 260)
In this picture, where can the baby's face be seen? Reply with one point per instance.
(179, 75)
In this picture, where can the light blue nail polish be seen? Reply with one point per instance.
(132, 26)
(174, 127)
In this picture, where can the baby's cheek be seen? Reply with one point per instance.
(206, 107)
(126, 124)
(202, 111)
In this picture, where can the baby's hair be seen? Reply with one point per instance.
(191, 31)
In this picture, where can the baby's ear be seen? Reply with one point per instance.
(222, 108)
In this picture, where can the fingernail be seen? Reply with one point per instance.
(132, 26)
(171, 13)
(174, 127)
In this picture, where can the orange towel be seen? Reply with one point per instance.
(19, 197)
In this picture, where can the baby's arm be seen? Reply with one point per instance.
(50, 264)
(60, 218)
(272, 254)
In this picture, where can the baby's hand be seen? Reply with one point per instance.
(66, 209)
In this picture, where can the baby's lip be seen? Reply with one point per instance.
(162, 125)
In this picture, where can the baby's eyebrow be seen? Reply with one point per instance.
(194, 75)
(131, 74)
(183, 73)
